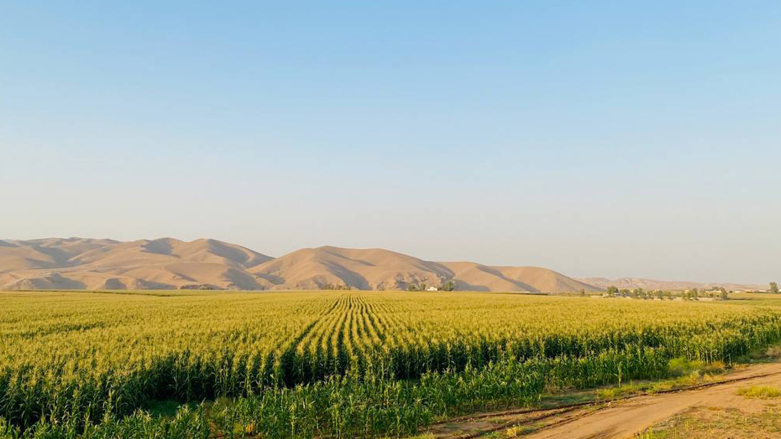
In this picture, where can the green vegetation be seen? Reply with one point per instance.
(716, 293)
(684, 373)
(332, 364)
(449, 286)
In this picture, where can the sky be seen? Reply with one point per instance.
(599, 138)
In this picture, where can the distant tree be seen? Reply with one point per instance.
(412, 287)
(773, 287)
(449, 286)
(582, 292)
(695, 294)
(724, 294)
(668, 294)
(612, 290)
(660, 294)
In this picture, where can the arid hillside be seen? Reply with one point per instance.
(92, 264)
(77, 263)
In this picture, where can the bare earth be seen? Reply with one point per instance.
(617, 420)
(638, 414)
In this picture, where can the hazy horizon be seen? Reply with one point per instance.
(599, 139)
(374, 247)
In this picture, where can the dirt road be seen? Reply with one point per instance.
(617, 420)
(625, 419)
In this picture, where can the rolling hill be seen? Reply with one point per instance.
(651, 284)
(94, 264)
(77, 263)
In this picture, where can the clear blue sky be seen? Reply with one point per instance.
(593, 137)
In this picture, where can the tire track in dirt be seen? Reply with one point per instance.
(617, 419)
(634, 415)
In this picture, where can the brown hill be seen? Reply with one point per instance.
(167, 263)
(481, 277)
(378, 269)
(371, 269)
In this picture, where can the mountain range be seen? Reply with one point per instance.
(651, 284)
(167, 263)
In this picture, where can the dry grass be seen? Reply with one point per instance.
(713, 423)
(760, 392)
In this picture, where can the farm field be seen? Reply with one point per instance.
(332, 364)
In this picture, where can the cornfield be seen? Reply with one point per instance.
(329, 364)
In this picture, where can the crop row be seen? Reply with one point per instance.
(82, 360)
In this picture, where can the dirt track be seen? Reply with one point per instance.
(617, 420)
(627, 418)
